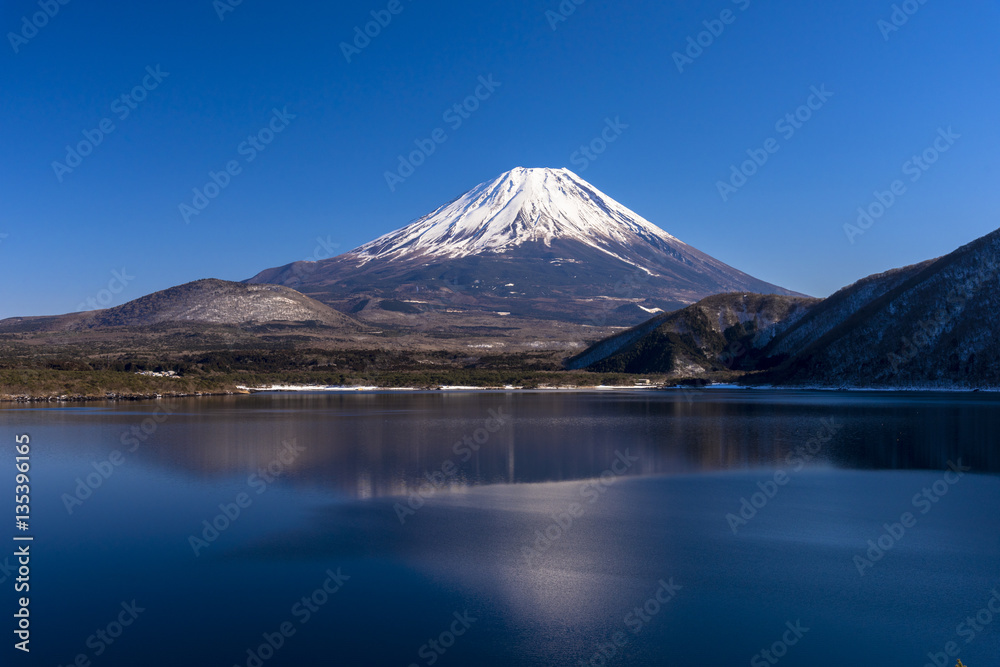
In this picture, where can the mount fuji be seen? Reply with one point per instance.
(534, 243)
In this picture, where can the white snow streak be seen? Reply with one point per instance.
(521, 206)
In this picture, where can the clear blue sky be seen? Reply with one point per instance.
(323, 174)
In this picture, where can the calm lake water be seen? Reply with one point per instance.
(624, 528)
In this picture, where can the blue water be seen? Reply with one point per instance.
(456, 573)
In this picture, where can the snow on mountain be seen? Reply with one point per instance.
(573, 253)
(521, 206)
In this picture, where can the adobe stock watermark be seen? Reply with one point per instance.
(562, 13)
(7, 570)
(450, 293)
(435, 648)
(931, 327)
(915, 168)
(624, 289)
(105, 637)
(325, 249)
(697, 44)
(105, 468)
(899, 17)
(257, 482)
(454, 116)
(589, 152)
(563, 521)
(122, 107)
(923, 501)
(733, 354)
(302, 612)
(223, 7)
(779, 649)
(736, 350)
(796, 460)
(254, 145)
(973, 626)
(786, 126)
(31, 25)
(106, 296)
(381, 18)
(635, 622)
(464, 450)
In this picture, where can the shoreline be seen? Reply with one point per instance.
(318, 389)
(284, 389)
(113, 397)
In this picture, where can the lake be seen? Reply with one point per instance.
(702, 527)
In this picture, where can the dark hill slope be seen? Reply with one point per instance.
(936, 327)
(832, 311)
(714, 334)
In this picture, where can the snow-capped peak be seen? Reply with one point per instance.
(518, 207)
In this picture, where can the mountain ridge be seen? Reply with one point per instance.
(537, 243)
(930, 324)
(207, 301)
